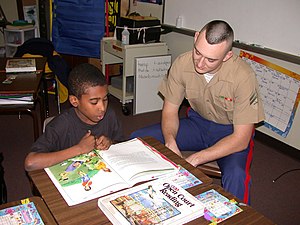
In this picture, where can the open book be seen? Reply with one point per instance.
(155, 202)
(98, 173)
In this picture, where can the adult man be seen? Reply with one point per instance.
(223, 94)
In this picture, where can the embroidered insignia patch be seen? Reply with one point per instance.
(253, 100)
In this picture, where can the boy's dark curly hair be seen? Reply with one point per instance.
(84, 76)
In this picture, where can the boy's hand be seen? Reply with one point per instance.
(87, 143)
(103, 143)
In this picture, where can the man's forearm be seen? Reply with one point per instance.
(170, 124)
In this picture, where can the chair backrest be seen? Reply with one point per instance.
(36, 46)
(46, 121)
(45, 48)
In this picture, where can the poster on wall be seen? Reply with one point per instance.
(113, 14)
(280, 92)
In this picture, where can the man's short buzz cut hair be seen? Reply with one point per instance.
(218, 31)
(84, 76)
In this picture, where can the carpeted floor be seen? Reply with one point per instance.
(279, 201)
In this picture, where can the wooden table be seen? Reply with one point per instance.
(39, 204)
(24, 84)
(89, 213)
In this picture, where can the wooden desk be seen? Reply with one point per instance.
(24, 84)
(39, 204)
(89, 213)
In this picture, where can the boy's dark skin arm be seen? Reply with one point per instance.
(40, 160)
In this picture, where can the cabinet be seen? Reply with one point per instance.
(113, 51)
(15, 38)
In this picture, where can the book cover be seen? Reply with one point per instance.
(20, 65)
(217, 206)
(98, 173)
(155, 202)
(185, 179)
(21, 215)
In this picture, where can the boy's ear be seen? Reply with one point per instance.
(73, 100)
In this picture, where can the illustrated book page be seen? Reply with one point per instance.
(21, 214)
(155, 202)
(20, 65)
(98, 173)
(217, 206)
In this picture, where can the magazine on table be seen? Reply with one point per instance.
(99, 173)
(217, 206)
(155, 202)
(22, 214)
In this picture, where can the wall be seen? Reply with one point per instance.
(270, 23)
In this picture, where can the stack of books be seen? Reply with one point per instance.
(16, 67)
(16, 99)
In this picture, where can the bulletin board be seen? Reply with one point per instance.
(280, 92)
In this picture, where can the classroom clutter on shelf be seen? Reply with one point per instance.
(142, 29)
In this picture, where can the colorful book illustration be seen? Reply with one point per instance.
(155, 202)
(185, 179)
(98, 173)
(21, 215)
(20, 65)
(217, 206)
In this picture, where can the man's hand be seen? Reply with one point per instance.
(173, 146)
(193, 160)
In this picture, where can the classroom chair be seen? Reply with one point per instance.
(56, 69)
(46, 121)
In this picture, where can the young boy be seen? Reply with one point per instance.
(87, 125)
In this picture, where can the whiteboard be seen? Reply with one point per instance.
(149, 71)
(269, 23)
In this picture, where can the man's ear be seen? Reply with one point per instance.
(228, 56)
(73, 100)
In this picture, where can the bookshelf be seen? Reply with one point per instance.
(16, 37)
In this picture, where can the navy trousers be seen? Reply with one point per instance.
(196, 133)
